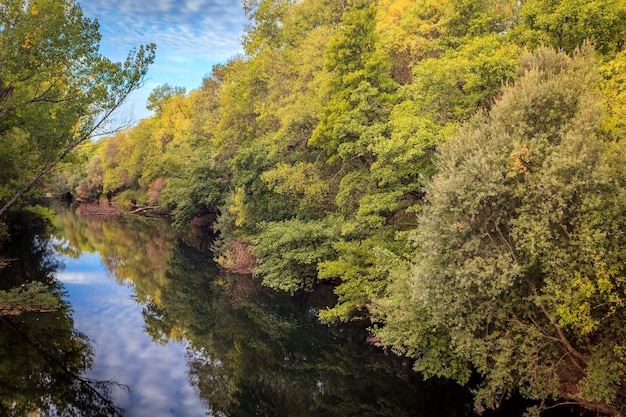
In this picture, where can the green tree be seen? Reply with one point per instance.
(198, 195)
(57, 90)
(152, 162)
(566, 24)
(613, 88)
(462, 80)
(161, 94)
(266, 17)
(519, 273)
(91, 186)
(360, 90)
(288, 252)
(416, 30)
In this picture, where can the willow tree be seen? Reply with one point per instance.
(56, 89)
(520, 274)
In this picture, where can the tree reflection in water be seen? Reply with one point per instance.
(252, 351)
(257, 352)
(42, 356)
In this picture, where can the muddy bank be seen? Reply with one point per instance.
(92, 209)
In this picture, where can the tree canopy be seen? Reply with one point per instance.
(520, 255)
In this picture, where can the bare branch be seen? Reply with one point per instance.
(134, 83)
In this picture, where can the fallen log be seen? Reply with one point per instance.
(89, 209)
(140, 209)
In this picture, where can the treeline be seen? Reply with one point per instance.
(456, 169)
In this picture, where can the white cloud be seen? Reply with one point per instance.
(76, 277)
(191, 37)
(114, 324)
(183, 27)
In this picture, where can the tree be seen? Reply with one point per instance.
(416, 30)
(520, 273)
(265, 30)
(614, 90)
(161, 94)
(288, 252)
(566, 24)
(359, 90)
(57, 90)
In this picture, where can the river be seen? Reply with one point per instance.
(150, 326)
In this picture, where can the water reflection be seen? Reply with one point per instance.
(249, 350)
(42, 356)
(257, 352)
(131, 248)
(110, 315)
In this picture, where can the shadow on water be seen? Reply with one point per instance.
(255, 352)
(42, 356)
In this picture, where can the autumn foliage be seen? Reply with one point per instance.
(455, 169)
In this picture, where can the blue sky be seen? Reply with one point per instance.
(191, 36)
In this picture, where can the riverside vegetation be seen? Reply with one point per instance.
(455, 169)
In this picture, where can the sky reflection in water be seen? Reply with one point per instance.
(108, 314)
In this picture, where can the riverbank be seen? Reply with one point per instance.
(94, 209)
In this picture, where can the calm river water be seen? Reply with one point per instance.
(149, 326)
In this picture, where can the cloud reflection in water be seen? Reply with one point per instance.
(107, 313)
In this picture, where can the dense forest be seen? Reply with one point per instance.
(454, 169)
